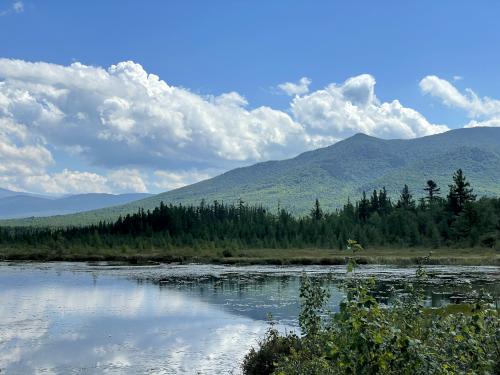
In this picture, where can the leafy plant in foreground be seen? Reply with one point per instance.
(367, 337)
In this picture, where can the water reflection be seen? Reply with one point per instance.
(256, 297)
(66, 318)
(71, 322)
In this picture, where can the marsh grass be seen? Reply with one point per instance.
(305, 256)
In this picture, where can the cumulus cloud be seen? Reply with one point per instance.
(67, 182)
(290, 88)
(127, 180)
(20, 152)
(352, 107)
(444, 90)
(105, 112)
(483, 111)
(77, 182)
(168, 180)
(122, 119)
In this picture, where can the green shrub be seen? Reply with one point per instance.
(272, 348)
(489, 240)
(366, 337)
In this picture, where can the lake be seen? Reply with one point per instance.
(79, 318)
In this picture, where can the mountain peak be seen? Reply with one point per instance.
(361, 137)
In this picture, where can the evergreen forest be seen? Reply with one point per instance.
(446, 217)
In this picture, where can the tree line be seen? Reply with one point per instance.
(456, 218)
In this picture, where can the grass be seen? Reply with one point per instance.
(306, 256)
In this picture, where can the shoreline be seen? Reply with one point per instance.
(389, 256)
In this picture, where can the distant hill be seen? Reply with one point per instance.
(18, 205)
(334, 173)
(4, 193)
(7, 193)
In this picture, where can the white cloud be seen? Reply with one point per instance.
(444, 90)
(16, 7)
(351, 107)
(78, 182)
(105, 112)
(67, 182)
(124, 120)
(168, 180)
(127, 180)
(483, 111)
(492, 122)
(20, 152)
(290, 88)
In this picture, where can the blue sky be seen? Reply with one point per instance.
(424, 55)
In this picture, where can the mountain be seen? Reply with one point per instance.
(17, 205)
(335, 173)
(4, 193)
(7, 193)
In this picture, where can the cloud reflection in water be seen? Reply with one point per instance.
(59, 324)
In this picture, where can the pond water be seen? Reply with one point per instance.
(69, 318)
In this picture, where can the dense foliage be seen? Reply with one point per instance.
(366, 337)
(375, 220)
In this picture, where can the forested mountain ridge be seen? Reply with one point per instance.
(337, 172)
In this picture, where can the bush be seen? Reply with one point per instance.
(366, 337)
(489, 240)
(272, 348)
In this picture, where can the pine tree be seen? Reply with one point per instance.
(432, 190)
(348, 214)
(317, 212)
(460, 193)
(364, 208)
(241, 207)
(406, 199)
(384, 202)
(374, 202)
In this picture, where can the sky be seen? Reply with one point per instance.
(148, 96)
